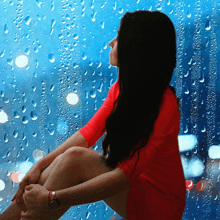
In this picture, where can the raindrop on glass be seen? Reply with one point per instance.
(23, 109)
(120, 10)
(15, 134)
(102, 24)
(51, 57)
(93, 16)
(27, 51)
(2, 53)
(84, 57)
(16, 115)
(93, 94)
(25, 119)
(75, 36)
(52, 87)
(34, 103)
(6, 28)
(6, 138)
(27, 20)
(33, 115)
(208, 25)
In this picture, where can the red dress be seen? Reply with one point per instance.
(157, 189)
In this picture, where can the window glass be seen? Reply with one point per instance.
(55, 74)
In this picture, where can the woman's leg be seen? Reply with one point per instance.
(75, 166)
(13, 212)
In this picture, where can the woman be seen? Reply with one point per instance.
(139, 174)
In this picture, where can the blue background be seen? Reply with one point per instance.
(66, 43)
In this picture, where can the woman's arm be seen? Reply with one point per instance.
(96, 189)
(76, 139)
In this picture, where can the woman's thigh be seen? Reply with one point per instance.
(92, 166)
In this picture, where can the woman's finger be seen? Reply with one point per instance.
(19, 195)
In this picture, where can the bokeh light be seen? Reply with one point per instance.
(21, 61)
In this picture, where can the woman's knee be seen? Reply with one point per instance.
(46, 172)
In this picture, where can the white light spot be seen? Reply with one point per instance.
(72, 98)
(187, 142)
(21, 61)
(214, 152)
(2, 185)
(3, 117)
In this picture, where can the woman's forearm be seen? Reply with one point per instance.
(76, 139)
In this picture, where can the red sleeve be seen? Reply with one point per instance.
(164, 137)
(93, 130)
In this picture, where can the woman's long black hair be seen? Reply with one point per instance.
(146, 61)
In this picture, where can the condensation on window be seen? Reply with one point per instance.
(55, 74)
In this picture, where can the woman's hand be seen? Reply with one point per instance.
(36, 201)
(31, 177)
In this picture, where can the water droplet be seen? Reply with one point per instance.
(27, 51)
(39, 3)
(6, 28)
(16, 115)
(34, 88)
(52, 87)
(52, 6)
(84, 57)
(204, 129)
(10, 61)
(6, 138)
(168, 2)
(34, 134)
(33, 115)
(100, 87)
(25, 119)
(75, 36)
(23, 109)
(15, 134)
(93, 16)
(37, 63)
(99, 65)
(208, 25)
(27, 20)
(187, 73)
(60, 36)
(190, 61)
(93, 94)
(51, 57)
(2, 53)
(189, 14)
(48, 110)
(34, 103)
(120, 10)
(102, 24)
(115, 6)
(6, 100)
(75, 65)
(105, 46)
(36, 50)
